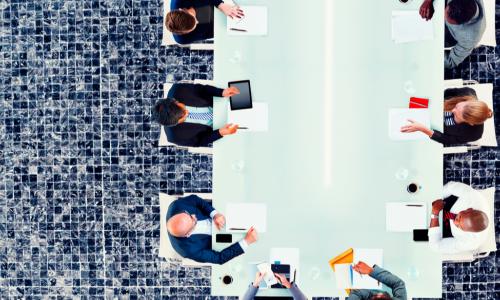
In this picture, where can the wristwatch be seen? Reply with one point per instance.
(433, 216)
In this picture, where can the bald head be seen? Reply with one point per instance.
(180, 225)
(472, 220)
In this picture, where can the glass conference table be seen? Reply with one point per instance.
(326, 167)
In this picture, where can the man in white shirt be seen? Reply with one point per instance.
(464, 220)
(189, 225)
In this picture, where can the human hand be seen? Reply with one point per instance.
(363, 268)
(230, 91)
(231, 11)
(282, 279)
(427, 9)
(437, 206)
(219, 221)
(413, 126)
(228, 129)
(251, 236)
(258, 278)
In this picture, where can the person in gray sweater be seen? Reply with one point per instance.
(465, 26)
(254, 287)
(385, 277)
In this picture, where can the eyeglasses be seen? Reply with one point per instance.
(195, 221)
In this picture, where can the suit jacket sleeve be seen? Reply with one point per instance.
(208, 90)
(203, 205)
(207, 137)
(359, 295)
(395, 283)
(447, 139)
(250, 293)
(218, 257)
(297, 293)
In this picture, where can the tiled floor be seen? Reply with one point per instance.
(80, 168)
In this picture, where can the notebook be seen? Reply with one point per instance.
(398, 117)
(254, 119)
(241, 216)
(404, 217)
(409, 26)
(253, 23)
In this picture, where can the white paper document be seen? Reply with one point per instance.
(408, 26)
(253, 23)
(254, 119)
(398, 117)
(344, 276)
(404, 217)
(269, 278)
(370, 257)
(241, 216)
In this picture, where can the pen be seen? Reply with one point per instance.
(236, 29)
(414, 205)
(242, 127)
(237, 229)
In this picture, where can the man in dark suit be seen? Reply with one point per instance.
(189, 225)
(187, 114)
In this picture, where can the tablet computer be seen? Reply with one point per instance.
(244, 99)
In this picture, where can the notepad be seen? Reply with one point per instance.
(370, 257)
(404, 217)
(253, 119)
(344, 276)
(241, 216)
(409, 26)
(398, 117)
(253, 23)
(269, 278)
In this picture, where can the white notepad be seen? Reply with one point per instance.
(241, 216)
(398, 117)
(370, 257)
(343, 276)
(409, 26)
(255, 118)
(404, 217)
(253, 23)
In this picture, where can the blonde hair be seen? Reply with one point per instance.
(475, 111)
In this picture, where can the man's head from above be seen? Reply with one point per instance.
(460, 11)
(182, 224)
(181, 21)
(471, 220)
(169, 112)
(381, 296)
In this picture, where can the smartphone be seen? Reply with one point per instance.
(420, 235)
(223, 238)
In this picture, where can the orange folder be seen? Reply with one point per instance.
(346, 257)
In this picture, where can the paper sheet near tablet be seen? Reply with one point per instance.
(255, 118)
(408, 26)
(241, 216)
(398, 117)
(370, 257)
(253, 23)
(404, 217)
(343, 276)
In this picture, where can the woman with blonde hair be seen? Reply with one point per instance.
(464, 117)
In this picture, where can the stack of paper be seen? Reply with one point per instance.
(398, 117)
(241, 216)
(344, 276)
(404, 217)
(254, 119)
(408, 26)
(253, 23)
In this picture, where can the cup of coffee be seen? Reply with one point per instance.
(412, 188)
(227, 279)
(404, 1)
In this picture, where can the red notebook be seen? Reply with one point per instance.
(419, 102)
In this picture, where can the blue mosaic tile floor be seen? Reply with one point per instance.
(79, 214)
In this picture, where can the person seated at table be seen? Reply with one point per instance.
(385, 277)
(464, 27)
(464, 220)
(464, 117)
(191, 21)
(187, 114)
(253, 288)
(189, 225)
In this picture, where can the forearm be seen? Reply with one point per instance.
(297, 293)
(250, 293)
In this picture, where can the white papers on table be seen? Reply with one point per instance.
(344, 276)
(286, 256)
(269, 278)
(404, 217)
(370, 257)
(398, 117)
(408, 26)
(255, 118)
(253, 23)
(241, 216)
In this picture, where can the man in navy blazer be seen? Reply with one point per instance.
(187, 114)
(189, 225)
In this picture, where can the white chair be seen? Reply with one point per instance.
(163, 141)
(166, 250)
(168, 39)
(489, 36)
(489, 244)
(484, 93)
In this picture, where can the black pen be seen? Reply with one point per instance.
(414, 205)
(242, 127)
(236, 29)
(237, 229)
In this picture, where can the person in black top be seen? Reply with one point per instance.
(187, 114)
(464, 117)
(193, 20)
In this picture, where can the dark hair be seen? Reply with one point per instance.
(167, 112)
(381, 296)
(179, 21)
(462, 11)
